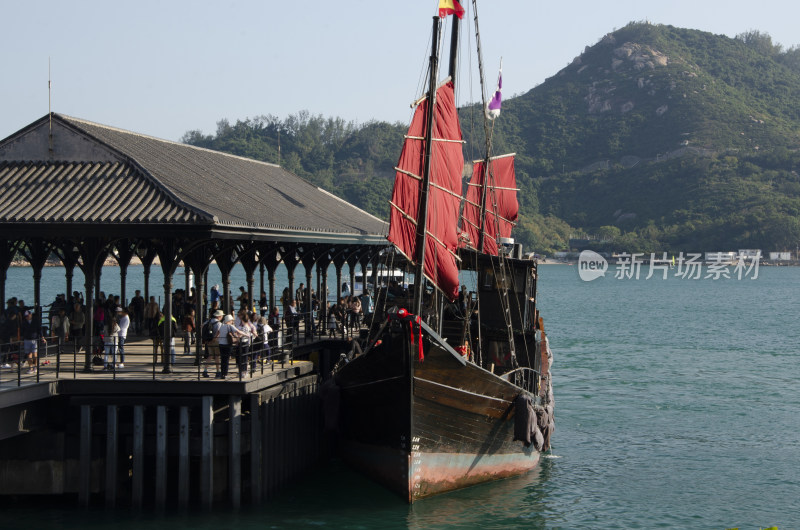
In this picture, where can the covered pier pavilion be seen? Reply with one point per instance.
(85, 192)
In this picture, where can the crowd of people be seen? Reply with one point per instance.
(255, 324)
(244, 338)
(17, 323)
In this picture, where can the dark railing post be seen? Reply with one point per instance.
(237, 358)
(251, 361)
(155, 355)
(114, 346)
(283, 342)
(20, 351)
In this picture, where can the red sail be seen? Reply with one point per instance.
(444, 195)
(502, 208)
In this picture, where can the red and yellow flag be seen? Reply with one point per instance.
(448, 7)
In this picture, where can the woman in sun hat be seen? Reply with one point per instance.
(227, 334)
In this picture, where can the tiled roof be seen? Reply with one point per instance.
(236, 190)
(169, 182)
(73, 192)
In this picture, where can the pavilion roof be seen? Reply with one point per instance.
(62, 169)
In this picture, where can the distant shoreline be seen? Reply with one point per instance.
(110, 262)
(555, 262)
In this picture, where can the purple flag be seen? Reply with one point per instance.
(493, 107)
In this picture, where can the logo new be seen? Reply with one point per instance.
(591, 265)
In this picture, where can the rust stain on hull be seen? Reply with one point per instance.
(434, 473)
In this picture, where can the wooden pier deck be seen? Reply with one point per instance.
(140, 367)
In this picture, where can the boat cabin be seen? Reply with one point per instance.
(504, 303)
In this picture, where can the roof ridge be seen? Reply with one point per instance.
(157, 139)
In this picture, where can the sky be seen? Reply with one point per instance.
(165, 67)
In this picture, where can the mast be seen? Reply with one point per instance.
(454, 50)
(422, 218)
(452, 74)
(482, 230)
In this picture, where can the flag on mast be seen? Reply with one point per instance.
(449, 7)
(493, 107)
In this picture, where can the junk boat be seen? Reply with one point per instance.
(449, 389)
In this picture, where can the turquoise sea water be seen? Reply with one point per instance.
(677, 406)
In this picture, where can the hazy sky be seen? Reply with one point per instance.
(165, 67)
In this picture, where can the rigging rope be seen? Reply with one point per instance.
(488, 174)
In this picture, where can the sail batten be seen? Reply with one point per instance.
(435, 139)
(444, 192)
(495, 187)
(502, 208)
(404, 214)
(410, 174)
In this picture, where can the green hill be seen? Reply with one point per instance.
(681, 139)
(657, 138)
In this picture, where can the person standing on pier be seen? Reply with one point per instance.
(110, 343)
(12, 307)
(60, 325)
(243, 299)
(150, 314)
(331, 319)
(212, 340)
(178, 304)
(274, 321)
(367, 307)
(124, 321)
(29, 331)
(9, 331)
(99, 317)
(227, 334)
(137, 304)
(264, 332)
(285, 299)
(77, 321)
(339, 312)
(188, 326)
(292, 318)
(244, 350)
(300, 297)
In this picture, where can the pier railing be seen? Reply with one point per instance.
(113, 436)
(141, 356)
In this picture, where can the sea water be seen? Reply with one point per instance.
(677, 406)
(19, 282)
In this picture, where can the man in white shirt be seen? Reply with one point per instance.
(124, 322)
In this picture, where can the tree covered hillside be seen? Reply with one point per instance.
(658, 138)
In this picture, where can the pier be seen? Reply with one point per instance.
(137, 437)
(156, 432)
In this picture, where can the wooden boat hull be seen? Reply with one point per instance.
(424, 428)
